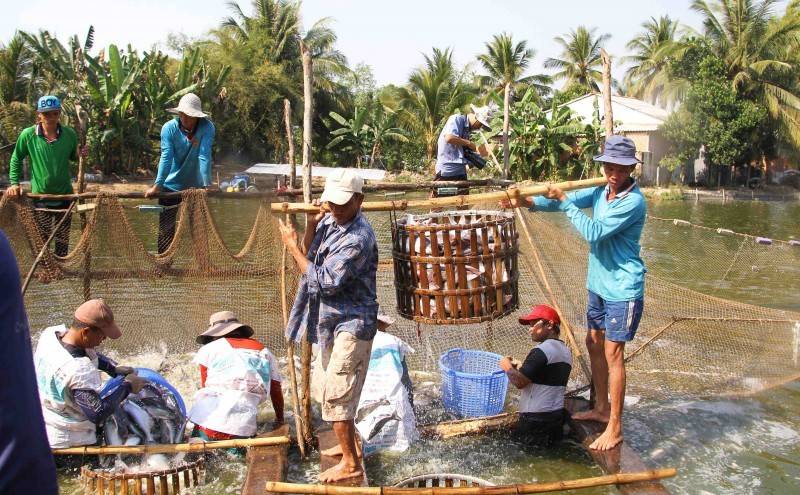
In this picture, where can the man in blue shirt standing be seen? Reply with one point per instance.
(186, 143)
(336, 305)
(450, 162)
(615, 278)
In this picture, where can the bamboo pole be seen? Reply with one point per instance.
(287, 118)
(473, 426)
(506, 124)
(608, 112)
(450, 200)
(170, 448)
(376, 186)
(298, 424)
(554, 486)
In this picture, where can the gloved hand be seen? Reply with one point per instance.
(136, 382)
(124, 370)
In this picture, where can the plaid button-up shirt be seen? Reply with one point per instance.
(338, 290)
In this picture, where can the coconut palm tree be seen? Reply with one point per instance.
(759, 50)
(506, 63)
(432, 94)
(579, 62)
(648, 76)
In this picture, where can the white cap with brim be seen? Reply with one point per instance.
(189, 105)
(340, 186)
(484, 114)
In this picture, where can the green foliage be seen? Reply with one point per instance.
(579, 62)
(550, 144)
(715, 117)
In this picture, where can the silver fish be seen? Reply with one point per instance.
(140, 418)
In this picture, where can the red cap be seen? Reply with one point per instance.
(540, 312)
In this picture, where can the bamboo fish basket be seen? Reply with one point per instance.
(455, 267)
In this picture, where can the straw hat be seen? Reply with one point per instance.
(484, 114)
(221, 324)
(189, 105)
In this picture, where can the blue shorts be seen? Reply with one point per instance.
(619, 319)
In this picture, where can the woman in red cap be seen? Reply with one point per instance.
(542, 378)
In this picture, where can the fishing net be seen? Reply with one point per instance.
(694, 339)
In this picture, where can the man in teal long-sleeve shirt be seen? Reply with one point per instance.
(186, 143)
(615, 278)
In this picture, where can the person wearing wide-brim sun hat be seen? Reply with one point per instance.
(451, 165)
(185, 163)
(615, 279)
(237, 373)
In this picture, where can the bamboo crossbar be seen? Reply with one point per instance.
(463, 200)
(554, 486)
(169, 448)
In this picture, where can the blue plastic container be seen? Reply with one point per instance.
(473, 384)
(150, 375)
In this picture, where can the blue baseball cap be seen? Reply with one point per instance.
(48, 103)
(619, 150)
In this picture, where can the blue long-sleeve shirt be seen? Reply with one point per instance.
(185, 163)
(616, 271)
(338, 291)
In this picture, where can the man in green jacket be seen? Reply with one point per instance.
(49, 147)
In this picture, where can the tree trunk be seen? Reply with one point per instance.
(287, 117)
(376, 153)
(506, 122)
(308, 109)
(608, 114)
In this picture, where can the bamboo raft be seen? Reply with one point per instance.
(266, 463)
(327, 439)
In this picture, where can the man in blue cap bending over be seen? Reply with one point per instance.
(615, 278)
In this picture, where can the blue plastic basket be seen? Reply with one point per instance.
(472, 383)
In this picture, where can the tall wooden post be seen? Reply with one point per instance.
(506, 123)
(608, 114)
(287, 118)
(83, 119)
(308, 109)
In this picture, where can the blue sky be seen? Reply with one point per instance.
(388, 36)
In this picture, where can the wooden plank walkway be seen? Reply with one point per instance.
(620, 459)
(327, 439)
(264, 464)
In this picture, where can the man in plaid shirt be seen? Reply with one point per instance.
(337, 305)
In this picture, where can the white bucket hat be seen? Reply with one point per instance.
(484, 114)
(341, 185)
(189, 105)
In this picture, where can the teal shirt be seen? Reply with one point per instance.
(185, 163)
(616, 271)
(50, 173)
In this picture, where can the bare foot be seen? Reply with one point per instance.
(607, 441)
(592, 415)
(336, 450)
(340, 472)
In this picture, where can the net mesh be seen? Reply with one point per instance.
(693, 339)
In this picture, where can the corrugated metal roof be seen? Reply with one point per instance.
(316, 170)
(633, 115)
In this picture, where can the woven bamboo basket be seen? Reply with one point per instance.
(455, 267)
(441, 480)
(168, 481)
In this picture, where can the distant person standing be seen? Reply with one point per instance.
(26, 463)
(50, 147)
(186, 161)
(451, 165)
(615, 279)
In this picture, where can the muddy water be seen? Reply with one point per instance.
(719, 446)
